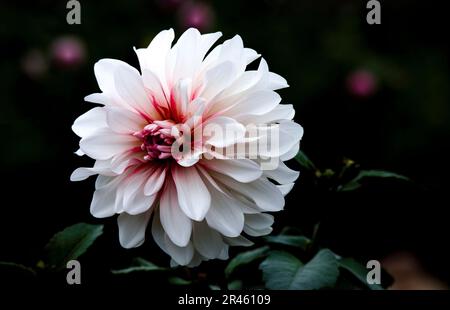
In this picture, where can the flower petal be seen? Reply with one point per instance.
(242, 170)
(100, 167)
(89, 122)
(124, 121)
(193, 196)
(217, 79)
(207, 241)
(175, 223)
(104, 144)
(103, 201)
(258, 224)
(265, 194)
(132, 229)
(225, 215)
(155, 181)
(130, 87)
(282, 174)
(223, 131)
(153, 57)
(238, 241)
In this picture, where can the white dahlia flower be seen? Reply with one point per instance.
(209, 193)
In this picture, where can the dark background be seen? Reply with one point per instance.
(401, 125)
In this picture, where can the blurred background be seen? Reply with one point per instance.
(377, 94)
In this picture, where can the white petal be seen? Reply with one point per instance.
(225, 215)
(175, 223)
(291, 153)
(207, 241)
(259, 221)
(255, 103)
(184, 55)
(104, 144)
(158, 93)
(193, 196)
(258, 224)
(104, 72)
(257, 232)
(181, 255)
(124, 121)
(280, 112)
(224, 253)
(289, 134)
(89, 122)
(79, 152)
(130, 88)
(135, 202)
(182, 95)
(285, 188)
(265, 194)
(97, 98)
(238, 241)
(250, 55)
(223, 131)
(103, 180)
(120, 162)
(100, 166)
(275, 81)
(158, 231)
(206, 41)
(242, 170)
(155, 181)
(217, 79)
(103, 201)
(153, 57)
(132, 229)
(196, 260)
(258, 103)
(282, 174)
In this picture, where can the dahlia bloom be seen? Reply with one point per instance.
(207, 195)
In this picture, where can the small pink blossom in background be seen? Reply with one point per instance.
(362, 83)
(68, 52)
(34, 64)
(196, 15)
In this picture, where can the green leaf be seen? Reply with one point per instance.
(304, 161)
(214, 287)
(179, 281)
(283, 271)
(139, 264)
(301, 242)
(356, 182)
(358, 270)
(245, 258)
(235, 285)
(70, 243)
(10, 267)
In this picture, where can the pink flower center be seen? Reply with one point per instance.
(157, 140)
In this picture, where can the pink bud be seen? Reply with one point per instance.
(196, 15)
(34, 64)
(68, 52)
(362, 83)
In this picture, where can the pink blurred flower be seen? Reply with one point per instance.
(196, 15)
(68, 52)
(34, 64)
(362, 83)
